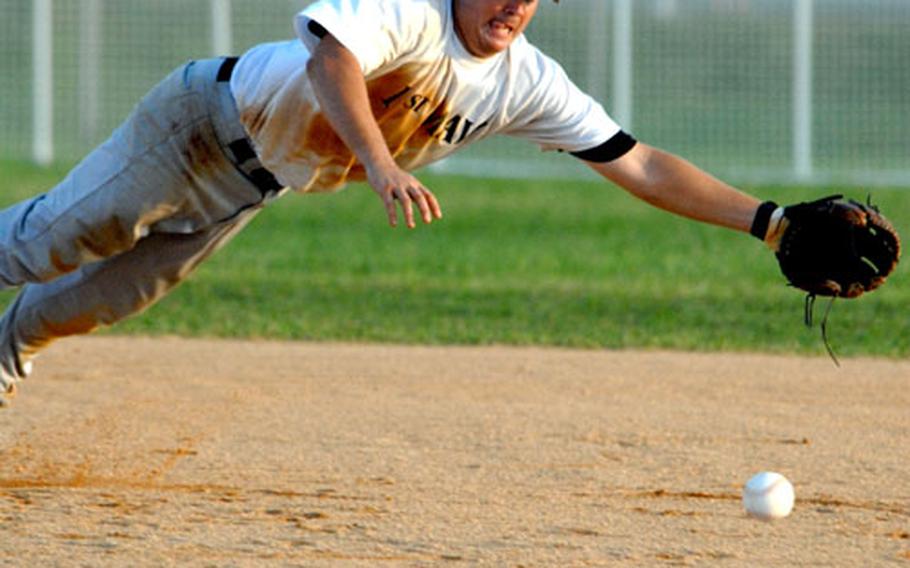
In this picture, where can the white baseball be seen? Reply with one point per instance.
(768, 496)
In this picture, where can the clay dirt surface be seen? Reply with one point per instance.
(169, 451)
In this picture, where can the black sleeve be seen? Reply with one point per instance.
(615, 147)
(316, 29)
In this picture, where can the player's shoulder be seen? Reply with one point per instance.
(382, 10)
(429, 14)
(414, 10)
(414, 17)
(375, 30)
(530, 62)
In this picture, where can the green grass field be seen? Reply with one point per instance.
(549, 263)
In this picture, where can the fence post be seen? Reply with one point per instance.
(622, 63)
(598, 47)
(222, 38)
(42, 82)
(90, 40)
(802, 89)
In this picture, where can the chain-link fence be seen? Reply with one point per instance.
(753, 90)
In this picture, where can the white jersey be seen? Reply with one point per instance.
(429, 95)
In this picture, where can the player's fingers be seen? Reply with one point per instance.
(435, 209)
(406, 207)
(388, 199)
(419, 196)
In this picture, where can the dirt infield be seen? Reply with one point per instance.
(125, 451)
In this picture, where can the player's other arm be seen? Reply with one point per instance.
(341, 89)
(675, 185)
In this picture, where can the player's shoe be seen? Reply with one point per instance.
(7, 388)
(7, 395)
(8, 384)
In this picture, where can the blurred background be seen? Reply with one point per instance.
(756, 91)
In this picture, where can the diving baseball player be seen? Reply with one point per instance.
(369, 90)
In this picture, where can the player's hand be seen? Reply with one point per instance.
(393, 184)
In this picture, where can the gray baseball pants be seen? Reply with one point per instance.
(133, 219)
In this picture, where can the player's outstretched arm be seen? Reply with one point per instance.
(341, 89)
(675, 185)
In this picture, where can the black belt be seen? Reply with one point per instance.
(244, 155)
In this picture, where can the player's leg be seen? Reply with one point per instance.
(103, 292)
(130, 221)
(163, 169)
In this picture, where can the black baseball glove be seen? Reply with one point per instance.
(830, 247)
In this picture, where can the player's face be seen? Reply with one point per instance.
(487, 27)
